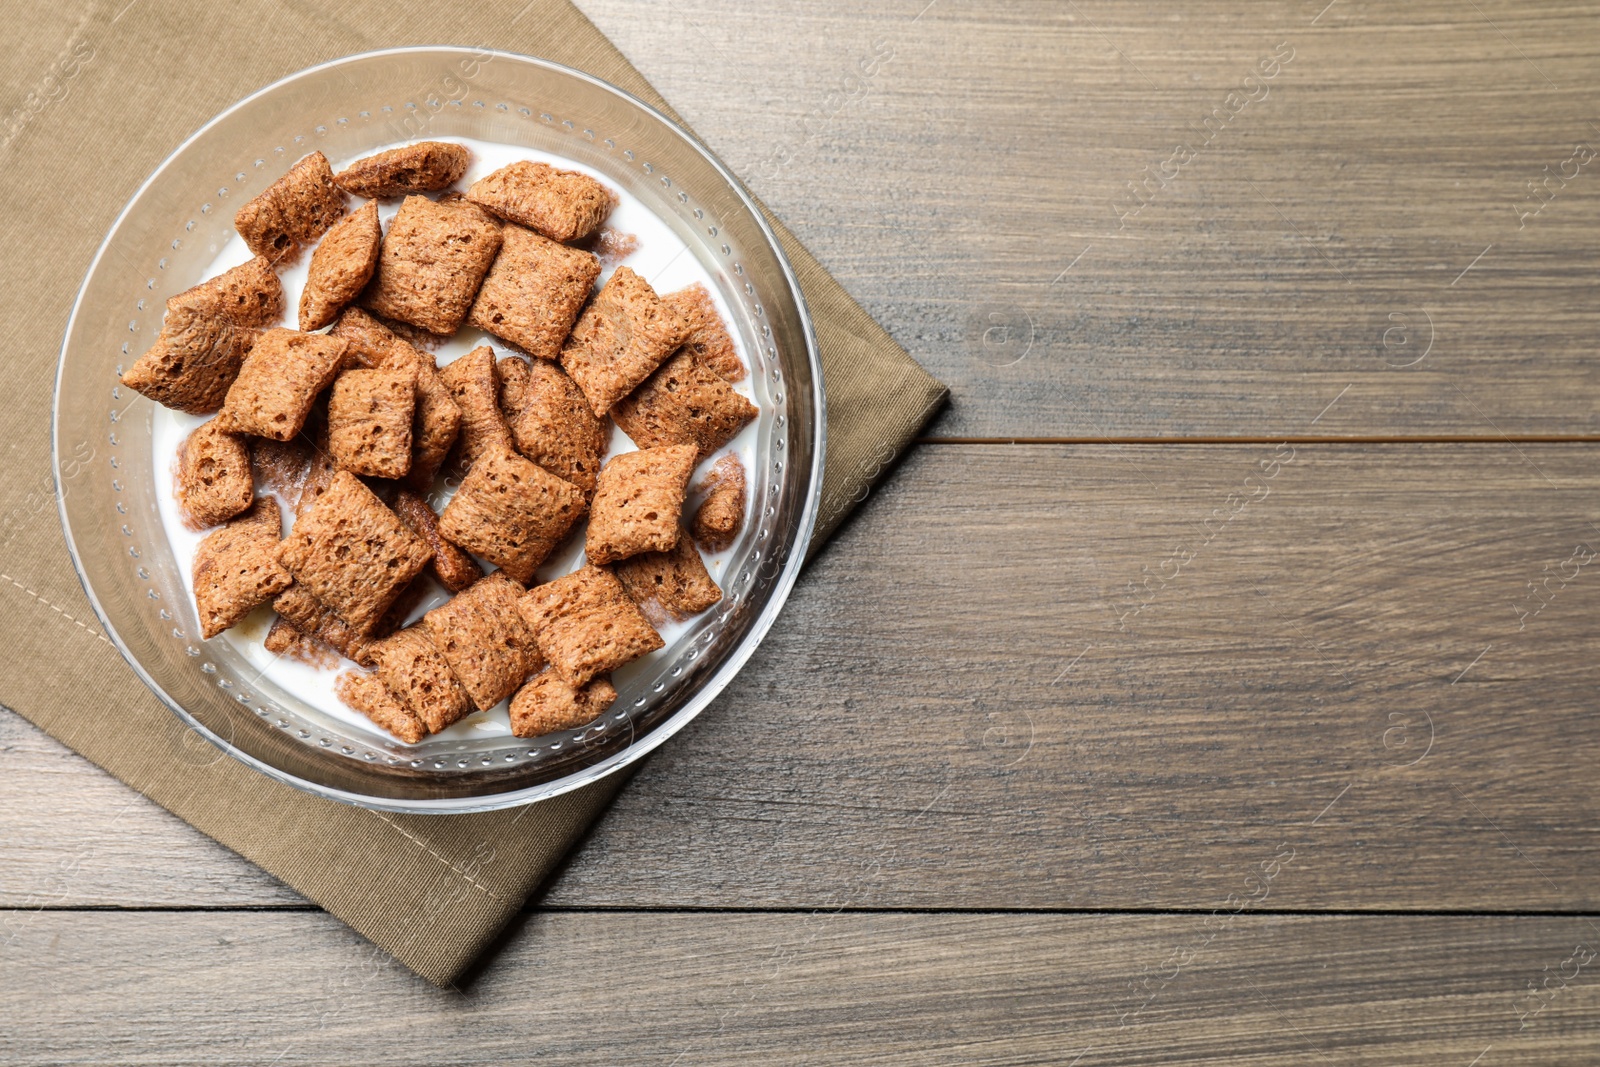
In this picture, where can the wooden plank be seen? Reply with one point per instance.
(71, 835)
(965, 705)
(1319, 239)
(1095, 991)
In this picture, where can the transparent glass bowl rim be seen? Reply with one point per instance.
(708, 691)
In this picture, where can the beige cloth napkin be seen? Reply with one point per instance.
(98, 92)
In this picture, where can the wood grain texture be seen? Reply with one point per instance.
(299, 988)
(71, 835)
(965, 705)
(1317, 242)
(1046, 679)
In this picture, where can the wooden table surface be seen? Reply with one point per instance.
(1214, 685)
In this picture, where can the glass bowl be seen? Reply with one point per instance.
(172, 229)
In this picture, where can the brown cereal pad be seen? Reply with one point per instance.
(454, 568)
(283, 637)
(511, 512)
(294, 210)
(431, 263)
(620, 339)
(551, 422)
(474, 385)
(547, 704)
(675, 581)
(683, 403)
(708, 338)
(638, 503)
(353, 553)
(280, 381)
(340, 267)
(235, 570)
(586, 625)
(214, 478)
(417, 168)
(369, 421)
(534, 291)
(206, 334)
(563, 205)
(721, 513)
(367, 694)
(437, 421)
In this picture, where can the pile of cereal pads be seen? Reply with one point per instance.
(347, 427)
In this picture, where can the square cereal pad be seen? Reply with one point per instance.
(708, 338)
(279, 382)
(638, 502)
(625, 333)
(293, 211)
(511, 512)
(586, 625)
(367, 694)
(721, 513)
(484, 638)
(551, 422)
(206, 334)
(474, 385)
(533, 293)
(340, 267)
(674, 583)
(415, 168)
(214, 480)
(563, 205)
(454, 568)
(431, 262)
(416, 674)
(235, 569)
(437, 421)
(683, 402)
(547, 704)
(248, 295)
(353, 553)
(369, 421)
